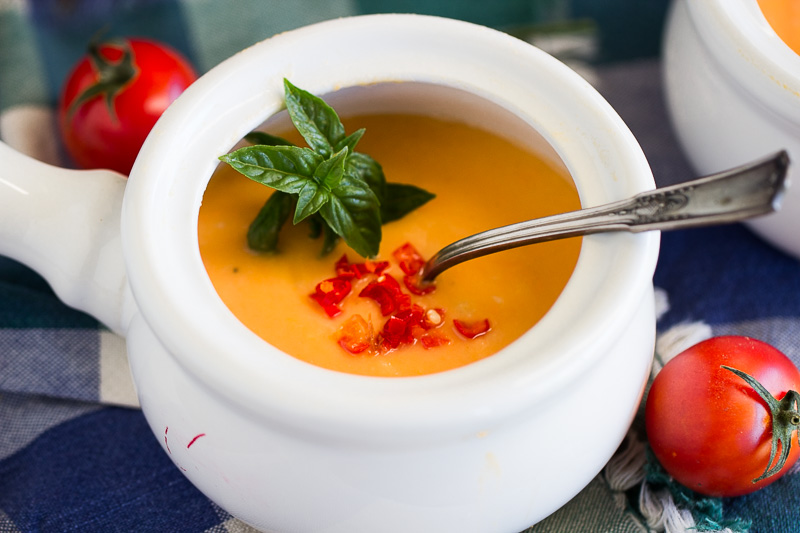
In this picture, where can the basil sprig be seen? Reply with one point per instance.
(342, 193)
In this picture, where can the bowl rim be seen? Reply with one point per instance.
(176, 298)
(749, 51)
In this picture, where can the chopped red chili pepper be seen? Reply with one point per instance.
(330, 309)
(412, 317)
(412, 314)
(404, 301)
(393, 332)
(334, 289)
(415, 285)
(403, 327)
(434, 339)
(329, 293)
(374, 267)
(355, 335)
(409, 259)
(386, 291)
(347, 270)
(407, 322)
(472, 330)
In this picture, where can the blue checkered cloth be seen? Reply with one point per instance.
(75, 451)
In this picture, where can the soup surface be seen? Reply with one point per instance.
(481, 181)
(784, 17)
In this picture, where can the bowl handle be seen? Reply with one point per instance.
(65, 225)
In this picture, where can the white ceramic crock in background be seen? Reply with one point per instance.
(733, 93)
(287, 446)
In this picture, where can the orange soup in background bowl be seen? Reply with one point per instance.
(300, 435)
(784, 17)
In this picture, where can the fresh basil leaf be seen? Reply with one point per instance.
(350, 141)
(354, 213)
(286, 168)
(329, 173)
(316, 121)
(401, 199)
(317, 192)
(368, 170)
(262, 235)
(342, 193)
(309, 200)
(264, 138)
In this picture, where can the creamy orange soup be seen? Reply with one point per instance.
(784, 17)
(481, 181)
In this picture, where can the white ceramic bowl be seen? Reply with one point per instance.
(733, 92)
(287, 446)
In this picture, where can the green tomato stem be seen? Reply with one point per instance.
(785, 415)
(112, 77)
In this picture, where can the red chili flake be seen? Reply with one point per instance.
(407, 322)
(403, 301)
(409, 259)
(329, 293)
(403, 327)
(334, 289)
(347, 270)
(331, 310)
(416, 332)
(434, 339)
(355, 335)
(415, 285)
(388, 294)
(472, 330)
(412, 317)
(344, 269)
(394, 330)
(375, 267)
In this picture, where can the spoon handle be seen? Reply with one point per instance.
(737, 194)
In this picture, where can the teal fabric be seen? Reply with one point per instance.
(41, 40)
(23, 79)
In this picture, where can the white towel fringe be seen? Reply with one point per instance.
(661, 513)
(662, 302)
(677, 339)
(625, 470)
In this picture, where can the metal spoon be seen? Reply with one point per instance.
(743, 192)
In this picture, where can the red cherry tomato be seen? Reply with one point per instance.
(113, 97)
(709, 428)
